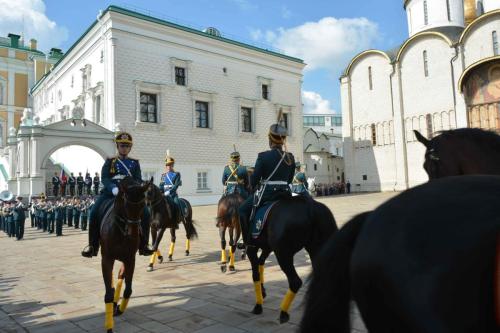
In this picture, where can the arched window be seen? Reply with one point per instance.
(370, 82)
(426, 14)
(494, 40)
(426, 65)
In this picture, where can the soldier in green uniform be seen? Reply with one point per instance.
(96, 181)
(59, 212)
(299, 183)
(72, 183)
(113, 171)
(19, 215)
(76, 212)
(69, 212)
(235, 177)
(273, 173)
(79, 183)
(50, 217)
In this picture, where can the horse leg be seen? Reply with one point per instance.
(223, 259)
(129, 274)
(254, 260)
(118, 288)
(107, 275)
(232, 249)
(157, 236)
(262, 260)
(188, 242)
(172, 244)
(285, 261)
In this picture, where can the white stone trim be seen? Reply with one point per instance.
(207, 189)
(186, 64)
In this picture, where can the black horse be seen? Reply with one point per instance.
(422, 262)
(165, 215)
(292, 224)
(464, 151)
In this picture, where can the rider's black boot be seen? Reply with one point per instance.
(93, 248)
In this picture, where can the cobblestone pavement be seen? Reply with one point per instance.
(46, 286)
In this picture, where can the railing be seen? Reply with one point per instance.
(485, 116)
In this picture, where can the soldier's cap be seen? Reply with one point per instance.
(123, 137)
(277, 133)
(235, 155)
(169, 160)
(297, 164)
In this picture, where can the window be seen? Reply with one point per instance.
(284, 121)
(315, 167)
(180, 76)
(202, 181)
(265, 91)
(97, 109)
(495, 42)
(428, 123)
(370, 83)
(426, 68)
(365, 177)
(374, 134)
(448, 10)
(426, 14)
(201, 109)
(148, 107)
(246, 119)
(314, 121)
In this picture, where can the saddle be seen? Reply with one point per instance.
(260, 218)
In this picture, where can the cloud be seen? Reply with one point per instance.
(328, 43)
(36, 24)
(314, 103)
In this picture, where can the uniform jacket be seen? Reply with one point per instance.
(56, 181)
(235, 173)
(113, 168)
(299, 183)
(171, 181)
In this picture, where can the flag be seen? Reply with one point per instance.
(63, 175)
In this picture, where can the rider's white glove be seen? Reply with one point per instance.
(115, 191)
(167, 192)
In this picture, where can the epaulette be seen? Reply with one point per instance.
(133, 159)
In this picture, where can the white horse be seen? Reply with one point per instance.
(311, 182)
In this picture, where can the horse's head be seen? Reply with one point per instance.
(132, 197)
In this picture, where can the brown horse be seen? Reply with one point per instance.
(228, 218)
(165, 215)
(119, 239)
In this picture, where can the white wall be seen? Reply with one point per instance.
(478, 43)
(437, 14)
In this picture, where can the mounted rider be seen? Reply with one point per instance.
(274, 171)
(299, 183)
(235, 177)
(113, 171)
(170, 182)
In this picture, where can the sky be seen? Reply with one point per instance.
(326, 34)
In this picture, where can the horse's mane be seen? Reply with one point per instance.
(480, 137)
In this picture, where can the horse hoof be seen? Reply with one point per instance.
(187, 253)
(284, 317)
(160, 259)
(223, 268)
(109, 331)
(257, 309)
(264, 294)
(169, 258)
(232, 269)
(150, 268)
(243, 257)
(117, 313)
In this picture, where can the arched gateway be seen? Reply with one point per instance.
(30, 147)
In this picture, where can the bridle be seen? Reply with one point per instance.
(127, 201)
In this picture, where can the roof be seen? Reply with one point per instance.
(452, 32)
(4, 43)
(152, 19)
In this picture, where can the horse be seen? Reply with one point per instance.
(228, 218)
(119, 240)
(460, 152)
(292, 224)
(424, 261)
(163, 216)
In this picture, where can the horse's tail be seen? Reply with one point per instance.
(233, 205)
(328, 297)
(191, 232)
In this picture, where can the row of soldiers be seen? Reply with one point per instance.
(12, 217)
(51, 215)
(59, 184)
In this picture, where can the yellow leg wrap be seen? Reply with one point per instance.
(261, 273)
(258, 293)
(108, 321)
(158, 253)
(231, 257)
(123, 304)
(171, 250)
(152, 260)
(188, 245)
(118, 290)
(223, 258)
(287, 301)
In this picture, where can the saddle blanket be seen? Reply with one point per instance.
(260, 218)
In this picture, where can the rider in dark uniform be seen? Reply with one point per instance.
(274, 170)
(55, 184)
(235, 177)
(170, 182)
(114, 170)
(299, 183)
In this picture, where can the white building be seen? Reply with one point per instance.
(194, 93)
(324, 122)
(445, 75)
(321, 157)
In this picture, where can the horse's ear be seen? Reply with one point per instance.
(422, 139)
(151, 180)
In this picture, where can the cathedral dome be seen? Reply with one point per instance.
(428, 14)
